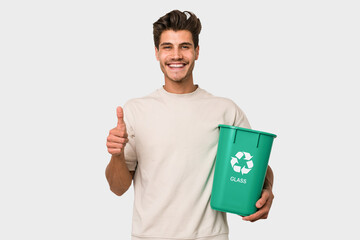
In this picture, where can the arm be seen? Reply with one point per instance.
(117, 173)
(269, 178)
(267, 196)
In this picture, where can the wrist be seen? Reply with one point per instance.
(267, 185)
(118, 157)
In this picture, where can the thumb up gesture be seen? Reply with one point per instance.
(118, 136)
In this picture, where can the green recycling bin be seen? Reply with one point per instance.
(240, 168)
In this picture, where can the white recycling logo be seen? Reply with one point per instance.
(249, 163)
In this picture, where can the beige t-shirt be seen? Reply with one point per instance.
(172, 145)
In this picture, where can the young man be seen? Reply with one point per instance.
(171, 142)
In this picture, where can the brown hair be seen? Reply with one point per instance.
(177, 20)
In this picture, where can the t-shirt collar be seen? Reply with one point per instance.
(181, 95)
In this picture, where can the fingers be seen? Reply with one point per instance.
(118, 136)
(112, 139)
(114, 151)
(263, 204)
(256, 216)
(264, 197)
(120, 116)
(116, 145)
(114, 148)
(116, 141)
(122, 133)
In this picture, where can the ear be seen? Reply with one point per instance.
(157, 53)
(197, 52)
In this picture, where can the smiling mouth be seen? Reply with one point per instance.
(176, 65)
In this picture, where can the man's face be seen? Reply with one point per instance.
(177, 55)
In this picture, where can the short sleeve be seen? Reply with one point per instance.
(130, 148)
(240, 118)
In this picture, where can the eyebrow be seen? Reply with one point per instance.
(183, 43)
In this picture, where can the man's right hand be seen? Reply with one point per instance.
(118, 136)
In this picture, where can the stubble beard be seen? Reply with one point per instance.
(179, 80)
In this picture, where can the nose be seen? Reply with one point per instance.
(177, 54)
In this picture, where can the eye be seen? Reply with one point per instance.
(185, 47)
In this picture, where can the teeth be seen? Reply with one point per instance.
(176, 65)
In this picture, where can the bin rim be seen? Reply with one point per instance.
(247, 130)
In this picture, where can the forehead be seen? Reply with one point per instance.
(176, 37)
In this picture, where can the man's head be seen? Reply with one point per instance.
(177, 20)
(176, 37)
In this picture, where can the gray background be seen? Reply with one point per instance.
(292, 66)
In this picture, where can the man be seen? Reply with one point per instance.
(171, 142)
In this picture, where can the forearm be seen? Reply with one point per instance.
(118, 175)
(266, 199)
(269, 178)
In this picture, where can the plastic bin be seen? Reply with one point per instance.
(241, 163)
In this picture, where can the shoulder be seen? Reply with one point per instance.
(140, 101)
(232, 113)
(220, 101)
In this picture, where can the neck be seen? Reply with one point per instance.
(179, 87)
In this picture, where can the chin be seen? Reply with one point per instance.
(176, 79)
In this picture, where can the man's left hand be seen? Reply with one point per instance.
(263, 205)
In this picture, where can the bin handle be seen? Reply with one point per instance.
(257, 144)
(258, 140)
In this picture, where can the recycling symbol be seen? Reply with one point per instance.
(242, 156)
